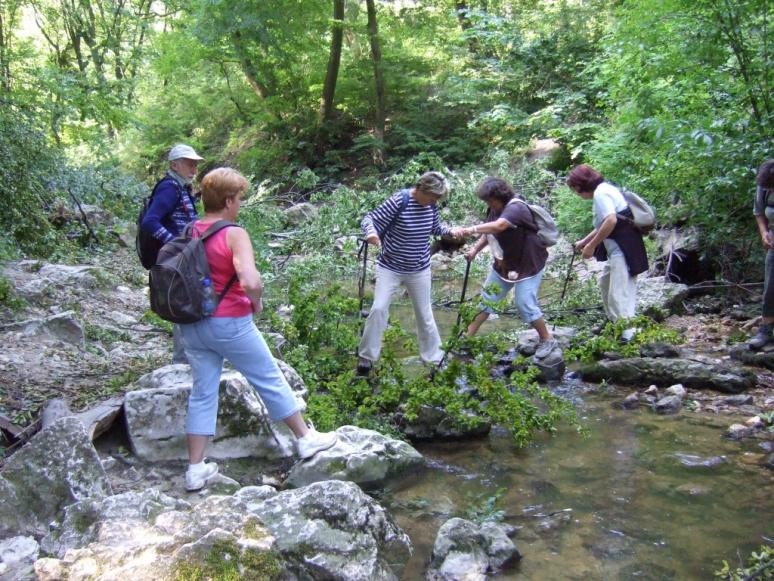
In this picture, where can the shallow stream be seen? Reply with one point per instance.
(643, 497)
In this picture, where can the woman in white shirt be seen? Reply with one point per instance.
(614, 239)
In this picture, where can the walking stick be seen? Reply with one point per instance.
(459, 318)
(361, 284)
(566, 280)
(464, 289)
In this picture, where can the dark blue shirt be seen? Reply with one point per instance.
(171, 209)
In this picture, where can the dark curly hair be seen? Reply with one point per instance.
(765, 177)
(584, 178)
(495, 189)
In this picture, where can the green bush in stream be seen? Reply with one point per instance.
(323, 334)
(587, 347)
(759, 566)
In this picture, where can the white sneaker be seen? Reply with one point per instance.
(545, 348)
(628, 334)
(197, 476)
(314, 442)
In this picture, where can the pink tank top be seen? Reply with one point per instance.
(235, 303)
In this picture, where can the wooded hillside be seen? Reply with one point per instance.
(671, 98)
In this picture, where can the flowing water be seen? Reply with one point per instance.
(643, 497)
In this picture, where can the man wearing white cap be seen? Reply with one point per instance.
(172, 207)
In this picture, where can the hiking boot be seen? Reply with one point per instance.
(314, 442)
(197, 475)
(363, 366)
(545, 348)
(761, 339)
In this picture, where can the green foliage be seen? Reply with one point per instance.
(322, 333)
(226, 561)
(151, 318)
(690, 119)
(485, 508)
(8, 298)
(587, 347)
(759, 566)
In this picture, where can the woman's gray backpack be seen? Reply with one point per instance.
(180, 281)
(546, 226)
(644, 216)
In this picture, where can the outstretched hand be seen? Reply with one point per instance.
(374, 239)
(458, 232)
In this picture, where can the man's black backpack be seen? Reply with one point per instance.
(147, 245)
(180, 279)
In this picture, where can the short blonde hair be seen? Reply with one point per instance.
(433, 183)
(221, 184)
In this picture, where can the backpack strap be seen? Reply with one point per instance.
(403, 205)
(214, 228)
(533, 226)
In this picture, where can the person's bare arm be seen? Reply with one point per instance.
(244, 264)
(604, 230)
(763, 229)
(495, 227)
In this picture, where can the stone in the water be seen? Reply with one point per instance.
(677, 390)
(631, 401)
(655, 350)
(694, 461)
(738, 400)
(671, 404)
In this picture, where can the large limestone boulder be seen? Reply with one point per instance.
(17, 557)
(329, 530)
(659, 298)
(57, 467)
(301, 213)
(148, 535)
(690, 373)
(156, 413)
(51, 278)
(362, 456)
(61, 326)
(333, 530)
(466, 551)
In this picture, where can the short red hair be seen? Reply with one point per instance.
(584, 178)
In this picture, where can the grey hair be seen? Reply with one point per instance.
(433, 183)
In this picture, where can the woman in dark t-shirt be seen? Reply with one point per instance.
(519, 257)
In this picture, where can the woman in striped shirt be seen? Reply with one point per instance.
(402, 227)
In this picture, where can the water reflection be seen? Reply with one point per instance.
(620, 504)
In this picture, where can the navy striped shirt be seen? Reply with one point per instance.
(406, 246)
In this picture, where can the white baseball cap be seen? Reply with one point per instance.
(182, 151)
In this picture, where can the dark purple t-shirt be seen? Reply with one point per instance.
(522, 249)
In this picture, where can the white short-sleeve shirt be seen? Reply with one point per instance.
(608, 199)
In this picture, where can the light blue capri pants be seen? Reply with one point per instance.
(525, 294)
(210, 341)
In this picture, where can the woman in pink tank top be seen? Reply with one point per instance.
(231, 334)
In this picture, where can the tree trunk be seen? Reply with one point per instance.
(379, 112)
(249, 69)
(5, 70)
(331, 75)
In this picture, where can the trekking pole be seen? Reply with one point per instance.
(361, 284)
(464, 289)
(566, 280)
(459, 318)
